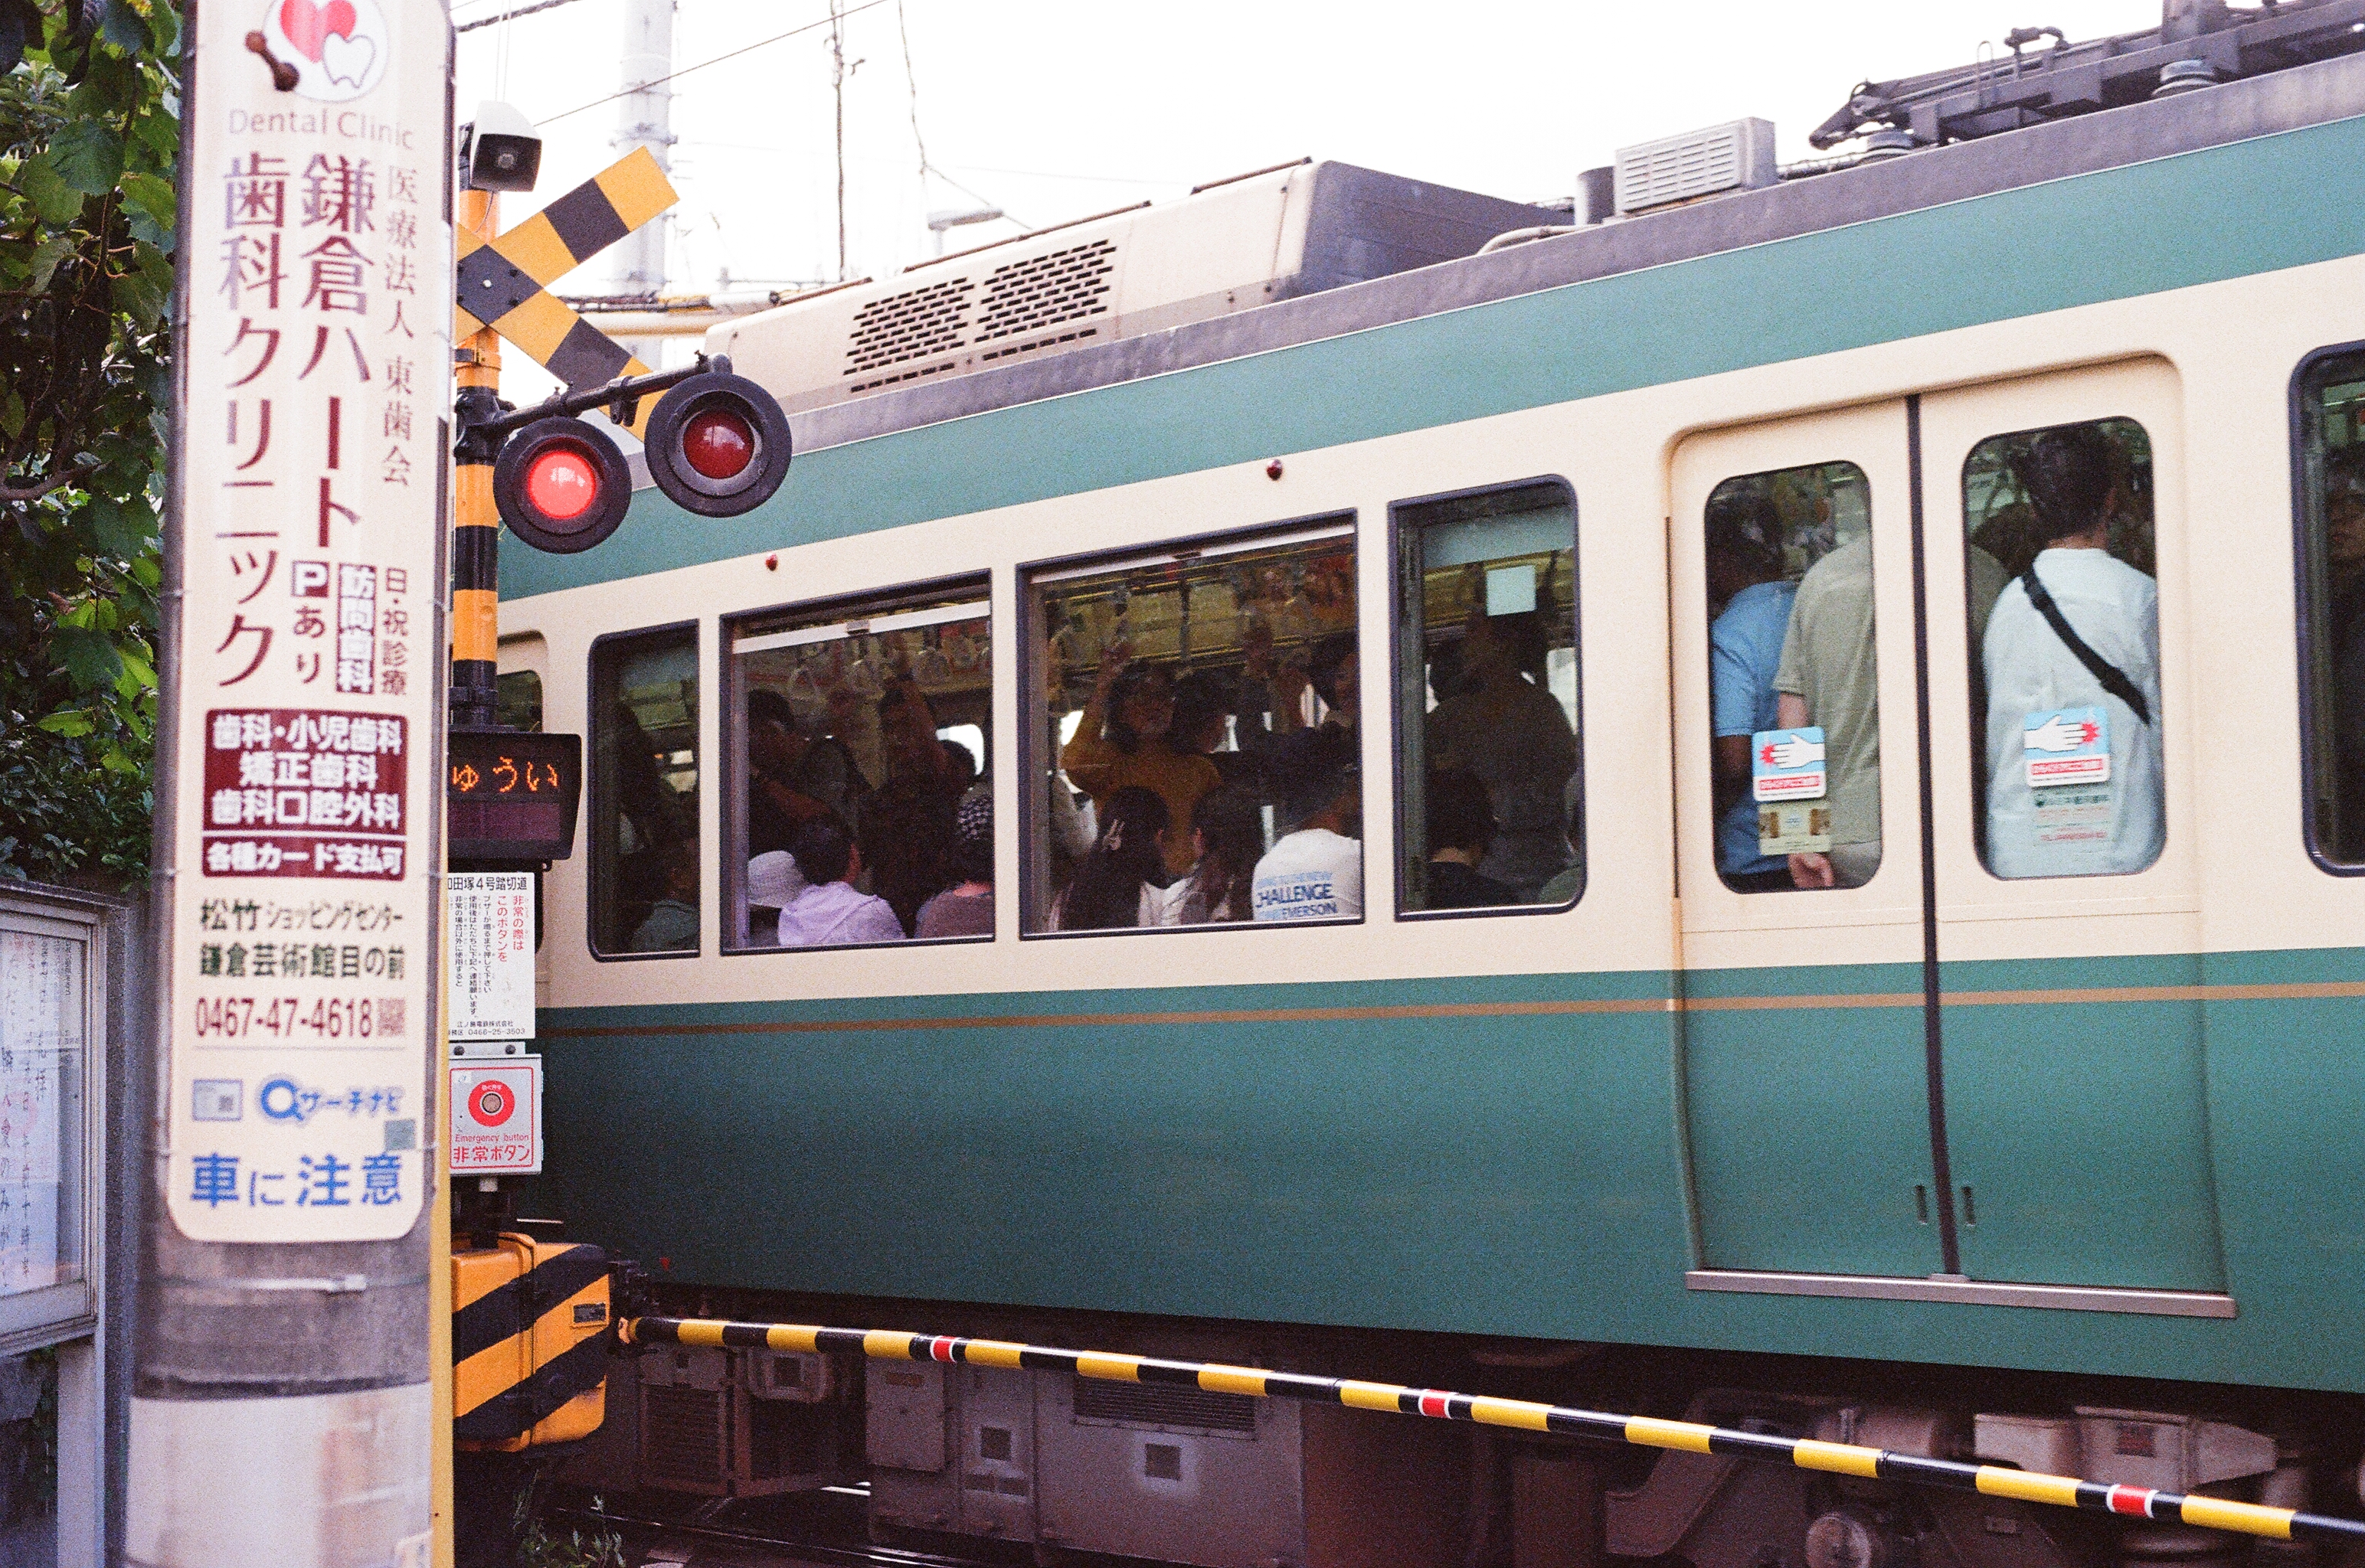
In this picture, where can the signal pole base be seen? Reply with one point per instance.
(295, 1482)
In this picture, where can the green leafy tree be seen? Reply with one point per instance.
(89, 130)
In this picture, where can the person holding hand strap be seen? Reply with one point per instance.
(1123, 740)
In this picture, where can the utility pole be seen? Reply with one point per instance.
(646, 119)
(837, 75)
(281, 1407)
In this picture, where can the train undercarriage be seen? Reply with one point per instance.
(971, 1464)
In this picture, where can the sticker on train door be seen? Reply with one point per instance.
(2067, 745)
(1788, 779)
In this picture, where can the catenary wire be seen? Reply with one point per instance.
(510, 16)
(912, 88)
(759, 43)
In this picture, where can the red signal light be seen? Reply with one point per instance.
(562, 483)
(718, 442)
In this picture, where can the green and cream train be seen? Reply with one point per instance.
(2060, 1168)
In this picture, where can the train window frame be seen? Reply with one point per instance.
(820, 615)
(2316, 748)
(1979, 698)
(597, 875)
(1402, 535)
(1029, 659)
(1826, 473)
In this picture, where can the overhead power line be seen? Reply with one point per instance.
(911, 91)
(759, 43)
(510, 16)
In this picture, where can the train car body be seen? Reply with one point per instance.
(2101, 1127)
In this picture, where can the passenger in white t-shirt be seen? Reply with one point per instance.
(1315, 871)
(2115, 826)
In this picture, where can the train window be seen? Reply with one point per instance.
(1489, 793)
(861, 808)
(2059, 559)
(517, 699)
(1794, 697)
(1198, 749)
(645, 794)
(2331, 437)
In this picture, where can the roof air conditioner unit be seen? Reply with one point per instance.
(1736, 156)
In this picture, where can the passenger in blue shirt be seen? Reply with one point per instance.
(1744, 575)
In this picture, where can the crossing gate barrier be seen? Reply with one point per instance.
(1643, 1431)
(531, 1337)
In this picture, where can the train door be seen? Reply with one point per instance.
(2064, 820)
(1805, 1060)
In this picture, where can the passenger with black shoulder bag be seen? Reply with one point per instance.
(2075, 781)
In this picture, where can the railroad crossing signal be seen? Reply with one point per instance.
(717, 444)
(504, 284)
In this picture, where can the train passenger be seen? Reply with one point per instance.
(1745, 577)
(1461, 825)
(1123, 741)
(1331, 670)
(2344, 547)
(1208, 707)
(1315, 871)
(1566, 887)
(778, 747)
(965, 909)
(907, 831)
(831, 912)
(1226, 842)
(1507, 728)
(961, 765)
(773, 883)
(1120, 883)
(1829, 677)
(671, 924)
(1335, 671)
(2079, 629)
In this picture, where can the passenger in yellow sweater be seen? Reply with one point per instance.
(1122, 739)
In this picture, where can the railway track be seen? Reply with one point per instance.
(802, 1531)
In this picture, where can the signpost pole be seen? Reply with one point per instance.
(476, 519)
(281, 1406)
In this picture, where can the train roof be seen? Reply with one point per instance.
(2259, 105)
(2122, 201)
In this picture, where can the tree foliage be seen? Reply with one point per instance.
(89, 131)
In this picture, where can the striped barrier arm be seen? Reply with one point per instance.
(1645, 1431)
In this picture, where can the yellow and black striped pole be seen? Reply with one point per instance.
(476, 519)
(1643, 1431)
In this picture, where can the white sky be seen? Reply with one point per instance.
(1055, 110)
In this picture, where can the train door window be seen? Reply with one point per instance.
(2331, 436)
(1489, 792)
(1793, 699)
(644, 850)
(1197, 752)
(2060, 567)
(861, 808)
(516, 701)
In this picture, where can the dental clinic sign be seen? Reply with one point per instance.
(304, 667)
